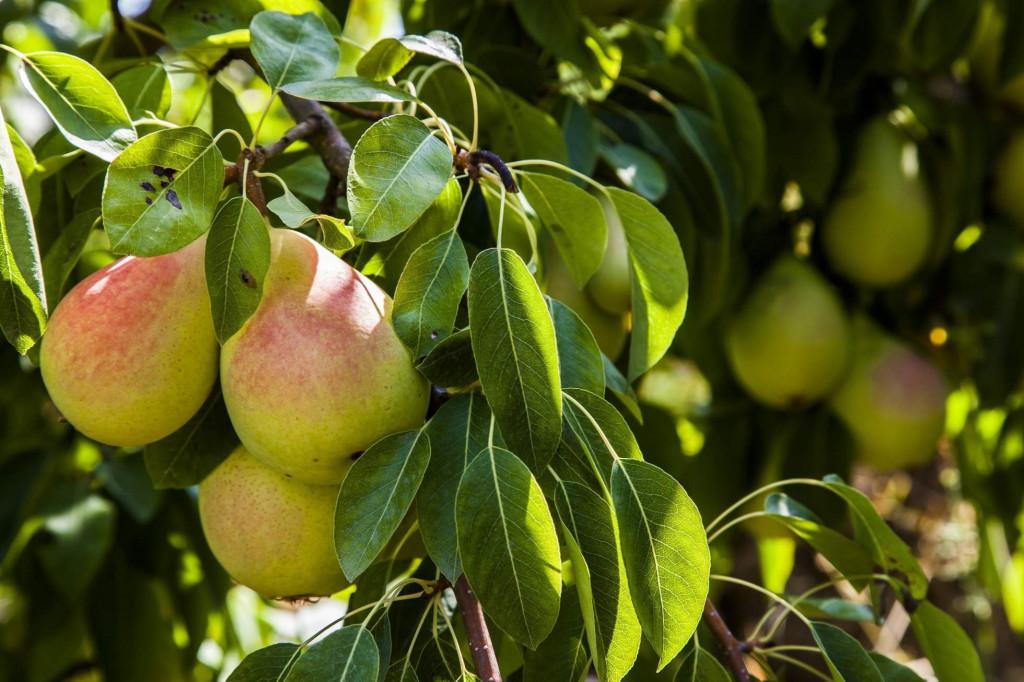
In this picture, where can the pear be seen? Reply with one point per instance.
(270, 533)
(879, 228)
(788, 342)
(892, 400)
(317, 374)
(611, 287)
(129, 354)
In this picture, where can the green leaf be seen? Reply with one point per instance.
(345, 655)
(64, 253)
(458, 430)
(871, 531)
(665, 552)
(600, 433)
(832, 607)
(636, 169)
(348, 89)
(293, 48)
(264, 665)
(227, 114)
(892, 671)
(429, 291)
(621, 389)
(846, 658)
(527, 132)
(184, 458)
(660, 281)
(511, 556)
(82, 103)
(579, 359)
(290, 209)
(16, 212)
(375, 496)
(81, 532)
(563, 655)
(700, 666)
(439, 44)
(237, 260)
(187, 22)
(385, 59)
(397, 170)
(145, 90)
(613, 630)
(574, 218)
(793, 18)
(947, 646)
(451, 364)
(142, 216)
(509, 322)
(127, 481)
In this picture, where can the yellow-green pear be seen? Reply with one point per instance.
(788, 342)
(1008, 188)
(317, 374)
(129, 354)
(879, 228)
(892, 400)
(611, 287)
(271, 533)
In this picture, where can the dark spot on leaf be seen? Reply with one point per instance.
(172, 198)
(149, 201)
(164, 183)
(247, 278)
(158, 171)
(148, 186)
(434, 334)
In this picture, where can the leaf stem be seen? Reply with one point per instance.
(480, 644)
(732, 646)
(760, 491)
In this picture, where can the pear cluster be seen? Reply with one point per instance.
(791, 343)
(313, 378)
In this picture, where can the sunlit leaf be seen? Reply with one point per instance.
(348, 89)
(237, 260)
(293, 48)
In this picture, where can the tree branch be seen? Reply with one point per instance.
(353, 110)
(733, 648)
(327, 140)
(480, 643)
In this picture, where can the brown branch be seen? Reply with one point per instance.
(353, 110)
(480, 643)
(733, 648)
(327, 140)
(301, 130)
(329, 202)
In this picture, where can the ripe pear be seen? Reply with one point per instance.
(611, 287)
(879, 228)
(788, 342)
(609, 330)
(129, 354)
(1008, 189)
(892, 400)
(317, 374)
(270, 533)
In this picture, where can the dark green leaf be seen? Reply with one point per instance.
(563, 655)
(237, 260)
(621, 389)
(227, 114)
(429, 291)
(846, 658)
(82, 103)
(264, 665)
(397, 170)
(526, 132)
(509, 545)
(187, 22)
(346, 655)
(348, 89)
(145, 90)
(509, 321)
(375, 496)
(451, 364)
(794, 18)
(600, 433)
(81, 532)
(839, 609)
(126, 480)
(892, 671)
(185, 457)
(64, 253)
(579, 359)
(293, 48)
(636, 169)
(142, 216)
(700, 666)
(947, 646)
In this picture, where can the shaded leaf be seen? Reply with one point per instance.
(846, 658)
(145, 90)
(579, 359)
(947, 646)
(892, 671)
(600, 433)
(636, 169)
(81, 532)
(699, 665)
(563, 655)
(621, 389)
(64, 253)
(264, 665)
(345, 655)
(451, 364)
(237, 260)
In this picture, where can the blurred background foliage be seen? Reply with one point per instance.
(738, 118)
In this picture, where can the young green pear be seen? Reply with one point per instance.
(129, 354)
(271, 533)
(788, 342)
(892, 400)
(317, 374)
(611, 287)
(879, 228)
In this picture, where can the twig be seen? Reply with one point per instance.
(327, 140)
(329, 202)
(353, 110)
(733, 648)
(300, 131)
(480, 643)
(470, 161)
(253, 184)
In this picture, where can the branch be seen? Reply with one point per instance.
(733, 648)
(353, 110)
(327, 140)
(480, 644)
(300, 131)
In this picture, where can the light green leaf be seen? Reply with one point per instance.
(947, 646)
(397, 170)
(660, 281)
(376, 495)
(237, 260)
(64, 253)
(458, 432)
(846, 658)
(336, 233)
(290, 209)
(145, 89)
(574, 218)
(82, 103)
(527, 132)
(16, 213)
(429, 291)
(563, 655)
(613, 630)
(348, 89)
(636, 169)
(345, 655)
(142, 216)
(390, 55)
(451, 364)
(665, 551)
(264, 665)
(509, 321)
(512, 560)
(293, 48)
(701, 666)
(579, 359)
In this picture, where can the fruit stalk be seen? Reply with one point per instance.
(480, 643)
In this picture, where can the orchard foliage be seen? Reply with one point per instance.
(535, 195)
